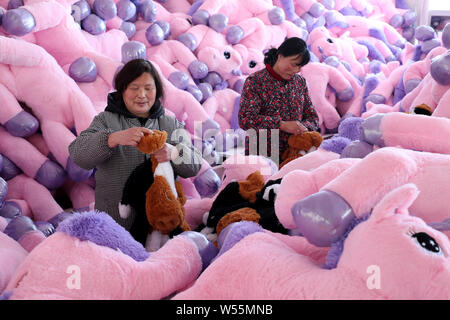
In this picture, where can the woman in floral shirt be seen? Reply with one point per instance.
(277, 98)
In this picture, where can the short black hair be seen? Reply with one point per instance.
(132, 70)
(290, 47)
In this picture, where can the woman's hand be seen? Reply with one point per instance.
(168, 152)
(127, 137)
(293, 127)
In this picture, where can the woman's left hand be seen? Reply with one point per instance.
(166, 153)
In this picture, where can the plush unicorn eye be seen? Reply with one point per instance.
(329, 40)
(252, 64)
(427, 242)
(227, 55)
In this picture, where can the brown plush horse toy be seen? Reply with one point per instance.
(164, 199)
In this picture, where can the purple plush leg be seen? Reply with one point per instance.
(45, 227)
(3, 190)
(357, 149)
(207, 183)
(75, 172)
(9, 169)
(370, 130)
(10, 210)
(235, 232)
(51, 175)
(206, 248)
(22, 124)
(322, 217)
(60, 217)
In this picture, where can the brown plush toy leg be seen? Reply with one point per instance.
(164, 211)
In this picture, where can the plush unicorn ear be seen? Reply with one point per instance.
(395, 202)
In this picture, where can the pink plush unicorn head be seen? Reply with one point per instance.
(391, 255)
(412, 258)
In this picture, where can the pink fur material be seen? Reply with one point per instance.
(263, 267)
(104, 273)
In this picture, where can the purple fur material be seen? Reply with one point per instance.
(100, 228)
(335, 144)
(337, 247)
(350, 128)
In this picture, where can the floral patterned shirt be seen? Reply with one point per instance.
(266, 100)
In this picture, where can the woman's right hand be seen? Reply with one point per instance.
(293, 127)
(127, 137)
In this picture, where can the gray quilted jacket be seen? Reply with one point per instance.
(114, 165)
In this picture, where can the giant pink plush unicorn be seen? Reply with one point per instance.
(373, 264)
(92, 257)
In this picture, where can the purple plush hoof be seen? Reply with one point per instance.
(154, 34)
(328, 4)
(125, 9)
(411, 84)
(238, 86)
(80, 10)
(200, 17)
(94, 24)
(206, 90)
(60, 217)
(128, 28)
(51, 175)
(396, 21)
(370, 130)
(316, 10)
(45, 227)
(335, 144)
(357, 149)
(446, 36)
(198, 69)
(276, 16)
(345, 95)
(83, 69)
(375, 98)
(105, 9)
(3, 190)
(218, 22)
(18, 22)
(350, 127)
(234, 34)
(22, 124)
(133, 50)
(440, 69)
(188, 40)
(179, 79)
(207, 183)
(147, 10)
(206, 249)
(408, 33)
(409, 19)
(9, 169)
(322, 217)
(18, 226)
(235, 232)
(209, 128)
(429, 45)
(10, 210)
(75, 172)
(424, 33)
(196, 92)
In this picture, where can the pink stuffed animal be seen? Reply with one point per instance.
(31, 65)
(32, 162)
(233, 11)
(370, 265)
(12, 254)
(65, 265)
(318, 77)
(355, 192)
(211, 48)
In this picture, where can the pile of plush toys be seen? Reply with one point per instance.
(362, 214)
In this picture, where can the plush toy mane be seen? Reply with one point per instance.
(100, 228)
(337, 247)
